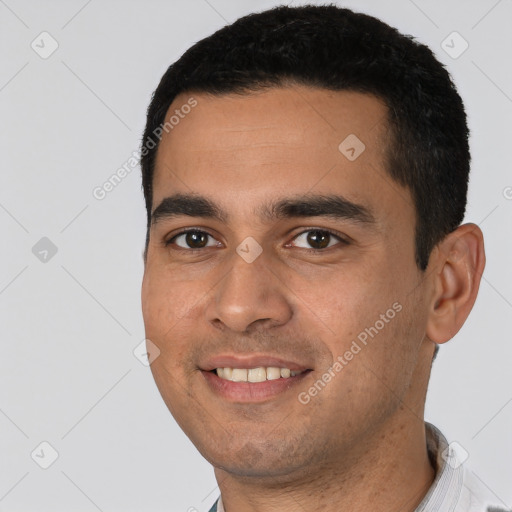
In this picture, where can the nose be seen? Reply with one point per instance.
(250, 296)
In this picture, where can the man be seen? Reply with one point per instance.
(305, 173)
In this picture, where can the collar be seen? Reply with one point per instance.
(445, 491)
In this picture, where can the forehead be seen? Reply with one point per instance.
(240, 150)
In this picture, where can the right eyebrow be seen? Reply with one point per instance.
(189, 205)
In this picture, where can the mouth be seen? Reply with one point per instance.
(252, 379)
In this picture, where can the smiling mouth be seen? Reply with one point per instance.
(253, 385)
(259, 374)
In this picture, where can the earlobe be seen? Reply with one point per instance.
(458, 267)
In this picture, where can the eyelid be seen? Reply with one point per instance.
(344, 239)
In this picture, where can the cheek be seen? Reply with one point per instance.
(172, 311)
(167, 301)
(345, 302)
(363, 318)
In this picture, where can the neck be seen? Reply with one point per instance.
(392, 473)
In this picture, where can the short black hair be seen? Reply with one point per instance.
(334, 48)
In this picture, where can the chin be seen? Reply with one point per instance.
(254, 459)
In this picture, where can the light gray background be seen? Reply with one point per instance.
(70, 324)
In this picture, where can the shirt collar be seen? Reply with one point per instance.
(445, 491)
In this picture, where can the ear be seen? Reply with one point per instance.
(457, 265)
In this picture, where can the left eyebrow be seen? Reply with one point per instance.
(333, 206)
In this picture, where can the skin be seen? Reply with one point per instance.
(362, 437)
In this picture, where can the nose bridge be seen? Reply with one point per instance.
(249, 293)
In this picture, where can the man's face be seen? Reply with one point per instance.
(247, 289)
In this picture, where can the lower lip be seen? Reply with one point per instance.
(251, 391)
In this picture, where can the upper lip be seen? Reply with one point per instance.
(251, 361)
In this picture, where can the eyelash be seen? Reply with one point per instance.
(342, 240)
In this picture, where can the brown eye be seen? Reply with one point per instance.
(196, 239)
(317, 239)
(193, 240)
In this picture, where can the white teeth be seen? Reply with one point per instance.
(273, 373)
(259, 374)
(239, 375)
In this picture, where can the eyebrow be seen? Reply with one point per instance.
(187, 205)
(331, 206)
